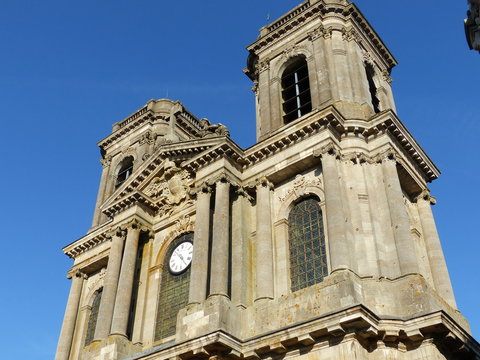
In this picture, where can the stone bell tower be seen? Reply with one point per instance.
(318, 242)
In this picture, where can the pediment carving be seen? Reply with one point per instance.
(171, 190)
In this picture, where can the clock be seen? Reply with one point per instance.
(181, 258)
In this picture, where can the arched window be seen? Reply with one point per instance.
(92, 321)
(125, 170)
(173, 294)
(296, 90)
(308, 256)
(372, 87)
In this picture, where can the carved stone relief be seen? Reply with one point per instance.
(300, 185)
(171, 189)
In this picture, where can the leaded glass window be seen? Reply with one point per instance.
(173, 294)
(308, 256)
(92, 321)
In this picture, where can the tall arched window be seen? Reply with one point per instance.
(92, 321)
(308, 255)
(372, 87)
(125, 170)
(173, 294)
(296, 96)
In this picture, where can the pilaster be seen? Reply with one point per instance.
(399, 217)
(438, 266)
(219, 273)
(199, 272)
(264, 245)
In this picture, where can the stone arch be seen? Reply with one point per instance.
(303, 186)
(288, 57)
(182, 226)
(172, 289)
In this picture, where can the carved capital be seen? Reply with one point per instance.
(77, 273)
(241, 191)
(425, 195)
(349, 34)
(264, 182)
(106, 161)
(133, 224)
(263, 66)
(329, 149)
(321, 31)
(389, 155)
(386, 76)
(117, 232)
(367, 58)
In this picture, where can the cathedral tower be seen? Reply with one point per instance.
(317, 242)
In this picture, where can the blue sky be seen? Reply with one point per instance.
(70, 69)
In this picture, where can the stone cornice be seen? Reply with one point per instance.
(88, 241)
(103, 234)
(357, 322)
(210, 150)
(388, 121)
(308, 11)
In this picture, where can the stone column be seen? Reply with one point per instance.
(264, 244)
(125, 284)
(70, 318)
(399, 218)
(220, 240)
(201, 236)
(336, 224)
(241, 208)
(438, 266)
(110, 282)
(97, 217)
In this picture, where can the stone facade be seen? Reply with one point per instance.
(387, 292)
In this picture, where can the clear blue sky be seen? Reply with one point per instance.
(70, 69)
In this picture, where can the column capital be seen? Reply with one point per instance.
(117, 231)
(388, 155)
(136, 225)
(222, 177)
(425, 195)
(329, 149)
(77, 273)
(242, 191)
(264, 182)
(106, 161)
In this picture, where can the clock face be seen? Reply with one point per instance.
(181, 258)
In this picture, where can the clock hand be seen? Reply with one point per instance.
(181, 257)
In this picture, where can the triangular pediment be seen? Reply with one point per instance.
(160, 182)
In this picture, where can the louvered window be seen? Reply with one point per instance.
(125, 171)
(296, 91)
